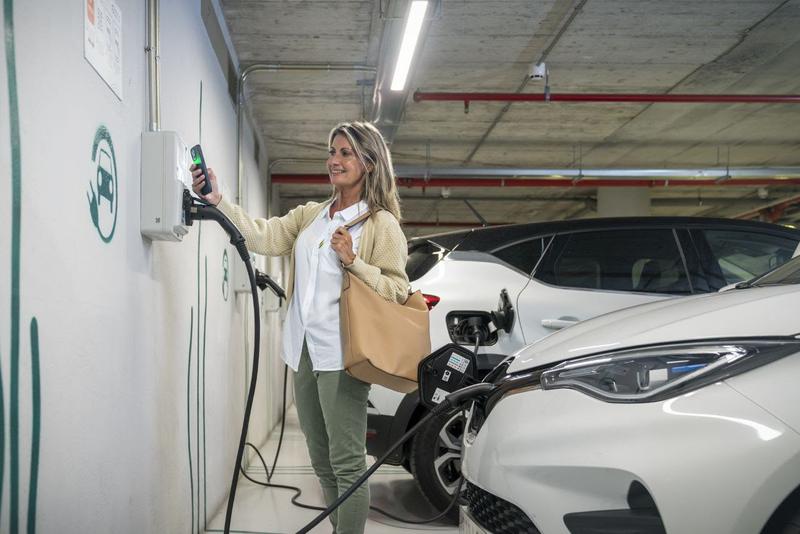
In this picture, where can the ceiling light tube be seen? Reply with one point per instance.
(416, 15)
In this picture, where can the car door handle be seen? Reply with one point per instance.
(558, 324)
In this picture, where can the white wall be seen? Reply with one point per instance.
(122, 325)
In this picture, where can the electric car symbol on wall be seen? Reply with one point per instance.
(105, 179)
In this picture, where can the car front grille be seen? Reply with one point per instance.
(494, 514)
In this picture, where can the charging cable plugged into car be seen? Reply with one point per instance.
(465, 326)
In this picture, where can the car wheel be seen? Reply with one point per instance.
(436, 459)
(406, 463)
(786, 519)
(792, 525)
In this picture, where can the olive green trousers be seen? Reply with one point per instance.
(332, 408)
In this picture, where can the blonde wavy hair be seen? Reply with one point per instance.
(369, 146)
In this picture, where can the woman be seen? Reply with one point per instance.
(332, 405)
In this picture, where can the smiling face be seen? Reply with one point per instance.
(344, 168)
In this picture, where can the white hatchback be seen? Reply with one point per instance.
(555, 274)
(678, 416)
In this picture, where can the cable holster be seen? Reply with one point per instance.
(196, 210)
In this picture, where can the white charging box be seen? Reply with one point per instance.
(165, 174)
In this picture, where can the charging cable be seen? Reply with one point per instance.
(297, 491)
(479, 329)
(194, 209)
(452, 401)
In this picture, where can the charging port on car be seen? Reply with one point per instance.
(464, 327)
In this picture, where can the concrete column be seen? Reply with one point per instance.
(623, 201)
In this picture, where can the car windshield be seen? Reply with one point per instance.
(788, 273)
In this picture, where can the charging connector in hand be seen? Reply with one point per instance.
(196, 210)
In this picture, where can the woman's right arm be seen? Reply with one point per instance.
(271, 237)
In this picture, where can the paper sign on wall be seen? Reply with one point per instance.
(102, 32)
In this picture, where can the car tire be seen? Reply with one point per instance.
(786, 518)
(406, 463)
(436, 460)
(792, 526)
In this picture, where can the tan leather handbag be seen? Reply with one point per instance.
(382, 341)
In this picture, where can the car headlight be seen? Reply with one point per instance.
(654, 373)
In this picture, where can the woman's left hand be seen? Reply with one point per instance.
(342, 244)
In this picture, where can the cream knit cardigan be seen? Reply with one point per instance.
(382, 252)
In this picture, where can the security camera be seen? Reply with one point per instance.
(538, 71)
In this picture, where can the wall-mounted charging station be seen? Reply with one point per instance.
(165, 174)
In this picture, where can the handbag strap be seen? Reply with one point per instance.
(357, 220)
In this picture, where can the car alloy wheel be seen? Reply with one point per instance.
(436, 459)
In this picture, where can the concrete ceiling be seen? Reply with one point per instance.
(615, 46)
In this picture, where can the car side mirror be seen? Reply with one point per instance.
(444, 371)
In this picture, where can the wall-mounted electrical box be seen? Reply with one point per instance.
(165, 174)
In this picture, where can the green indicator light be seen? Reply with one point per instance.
(196, 159)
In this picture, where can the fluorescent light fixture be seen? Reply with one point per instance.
(413, 26)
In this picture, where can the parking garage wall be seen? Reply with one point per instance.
(124, 362)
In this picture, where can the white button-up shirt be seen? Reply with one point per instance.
(313, 313)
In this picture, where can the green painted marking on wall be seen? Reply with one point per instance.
(36, 409)
(2, 434)
(196, 510)
(205, 330)
(197, 395)
(205, 319)
(104, 217)
(188, 412)
(205, 459)
(205, 322)
(16, 221)
(200, 119)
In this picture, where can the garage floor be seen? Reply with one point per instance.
(260, 510)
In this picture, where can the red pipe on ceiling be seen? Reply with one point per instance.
(322, 179)
(771, 213)
(606, 97)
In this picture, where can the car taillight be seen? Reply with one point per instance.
(431, 300)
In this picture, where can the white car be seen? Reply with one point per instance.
(679, 416)
(555, 274)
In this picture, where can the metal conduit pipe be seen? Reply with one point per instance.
(772, 211)
(420, 96)
(709, 172)
(659, 201)
(421, 182)
(153, 75)
(578, 6)
(273, 67)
